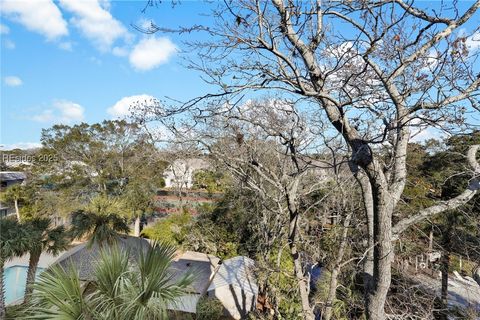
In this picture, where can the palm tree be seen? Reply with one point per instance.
(98, 228)
(43, 238)
(99, 222)
(14, 242)
(124, 289)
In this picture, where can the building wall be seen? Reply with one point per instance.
(236, 302)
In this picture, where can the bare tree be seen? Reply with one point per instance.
(376, 70)
(261, 144)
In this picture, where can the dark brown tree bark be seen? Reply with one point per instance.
(445, 265)
(32, 270)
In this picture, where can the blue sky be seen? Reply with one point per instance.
(66, 62)
(69, 61)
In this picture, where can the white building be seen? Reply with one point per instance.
(179, 174)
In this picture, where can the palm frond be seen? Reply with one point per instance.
(58, 294)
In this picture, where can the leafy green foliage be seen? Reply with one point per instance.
(172, 229)
(226, 228)
(123, 290)
(14, 239)
(209, 309)
(46, 238)
(14, 242)
(212, 181)
(99, 222)
(99, 158)
(282, 282)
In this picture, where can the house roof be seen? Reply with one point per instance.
(12, 175)
(84, 258)
(201, 265)
(237, 271)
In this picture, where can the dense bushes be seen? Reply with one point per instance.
(172, 229)
(209, 309)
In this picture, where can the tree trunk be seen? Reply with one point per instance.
(444, 267)
(444, 295)
(2, 291)
(430, 241)
(383, 252)
(476, 274)
(332, 294)
(368, 207)
(32, 270)
(332, 290)
(17, 210)
(303, 285)
(137, 226)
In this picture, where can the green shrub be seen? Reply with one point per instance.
(209, 309)
(172, 229)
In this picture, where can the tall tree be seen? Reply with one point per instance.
(374, 70)
(262, 145)
(93, 158)
(456, 230)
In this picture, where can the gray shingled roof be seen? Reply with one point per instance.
(84, 258)
(12, 176)
(237, 271)
(200, 265)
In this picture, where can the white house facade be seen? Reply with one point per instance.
(180, 173)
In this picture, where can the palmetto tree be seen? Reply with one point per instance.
(126, 287)
(43, 238)
(99, 222)
(14, 241)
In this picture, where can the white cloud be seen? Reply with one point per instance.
(67, 46)
(144, 23)
(473, 42)
(13, 81)
(9, 44)
(95, 60)
(41, 16)
(120, 52)
(95, 22)
(4, 29)
(423, 135)
(21, 145)
(63, 111)
(151, 52)
(124, 107)
(421, 131)
(45, 116)
(430, 62)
